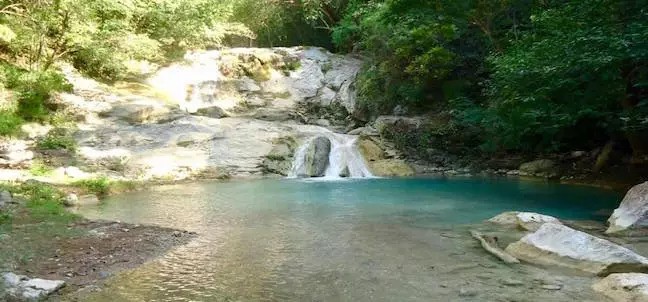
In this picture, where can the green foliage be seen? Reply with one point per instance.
(103, 186)
(58, 139)
(33, 90)
(574, 79)
(9, 123)
(99, 186)
(44, 202)
(39, 168)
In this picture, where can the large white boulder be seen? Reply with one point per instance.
(629, 287)
(559, 245)
(633, 211)
(526, 221)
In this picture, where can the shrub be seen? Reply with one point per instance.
(58, 139)
(9, 123)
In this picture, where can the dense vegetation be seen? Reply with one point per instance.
(515, 76)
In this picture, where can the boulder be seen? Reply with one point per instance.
(559, 245)
(390, 167)
(25, 289)
(273, 115)
(525, 221)
(624, 287)
(541, 167)
(317, 157)
(386, 122)
(71, 200)
(633, 211)
(212, 112)
(139, 111)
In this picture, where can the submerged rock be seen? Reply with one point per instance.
(317, 157)
(556, 244)
(633, 211)
(624, 287)
(25, 289)
(526, 221)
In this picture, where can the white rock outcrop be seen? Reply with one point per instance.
(633, 211)
(26, 289)
(558, 245)
(629, 287)
(526, 221)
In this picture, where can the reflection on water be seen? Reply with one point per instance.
(360, 240)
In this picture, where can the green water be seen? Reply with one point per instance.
(356, 240)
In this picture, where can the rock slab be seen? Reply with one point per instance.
(624, 287)
(633, 211)
(25, 289)
(558, 245)
(526, 221)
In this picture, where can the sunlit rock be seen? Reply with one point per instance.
(526, 221)
(632, 213)
(559, 245)
(624, 287)
(25, 289)
(542, 168)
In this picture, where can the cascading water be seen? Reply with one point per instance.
(344, 159)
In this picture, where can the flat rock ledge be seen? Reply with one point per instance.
(23, 288)
(558, 245)
(624, 287)
(526, 221)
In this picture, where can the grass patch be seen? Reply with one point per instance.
(58, 139)
(10, 123)
(40, 217)
(103, 186)
(40, 168)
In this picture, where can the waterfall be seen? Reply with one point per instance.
(344, 159)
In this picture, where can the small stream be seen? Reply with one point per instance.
(347, 240)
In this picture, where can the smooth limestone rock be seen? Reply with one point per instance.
(633, 211)
(526, 221)
(25, 289)
(559, 245)
(629, 287)
(317, 156)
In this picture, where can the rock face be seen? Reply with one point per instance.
(629, 287)
(391, 167)
(378, 161)
(541, 168)
(317, 157)
(556, 244)
(633, 211)
(25, 289)
(279, 160)
(526, 221)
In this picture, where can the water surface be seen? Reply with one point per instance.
(353, 240)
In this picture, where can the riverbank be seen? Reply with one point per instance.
(39, 238)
